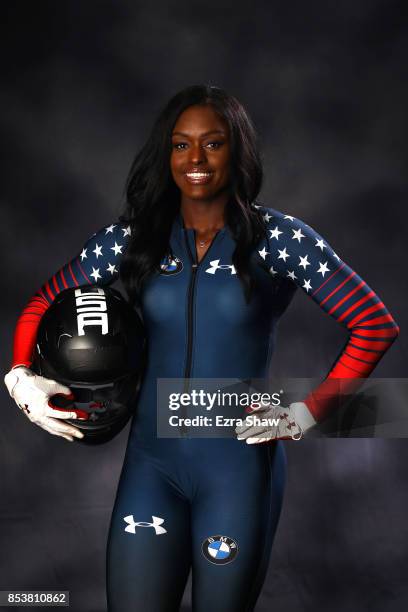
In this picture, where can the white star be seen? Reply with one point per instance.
(304, 262)
(320, 244)
(307, 285)
(288, 217)
(297, 235)
(111, 268)
(291, 274)
(323, 268)
(97, 250)
(263, 253)
(109, 229)
(267, 216)
(117, 248)
(126, 231)
(95, 274)
(283, 254)
(272, 271)
(336, 256)
(83, 254)
(275, 233)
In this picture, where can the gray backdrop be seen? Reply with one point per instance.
(325, 83)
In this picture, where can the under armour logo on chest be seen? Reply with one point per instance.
(215, 265)
(157, 521)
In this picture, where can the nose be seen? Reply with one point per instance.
(196, 154)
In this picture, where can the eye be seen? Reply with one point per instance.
(179, 146)
(215, 144)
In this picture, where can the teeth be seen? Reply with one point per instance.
(198, 174)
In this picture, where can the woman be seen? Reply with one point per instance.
(212, 272)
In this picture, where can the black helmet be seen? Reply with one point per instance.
(91, 340)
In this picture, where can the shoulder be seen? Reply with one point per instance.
(114, 231)
(102, 253)
(282, 226)
(273, 217)
(110, 238)
(290, 242)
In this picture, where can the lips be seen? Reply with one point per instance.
(198, 177)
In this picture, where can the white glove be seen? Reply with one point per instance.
(32, 394)
(290, 423)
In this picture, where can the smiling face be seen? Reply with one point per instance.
(200, 155)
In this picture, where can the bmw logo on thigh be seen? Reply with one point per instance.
(220, 549)
(170, 265)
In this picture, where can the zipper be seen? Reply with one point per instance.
(190, 313)
(190, 309)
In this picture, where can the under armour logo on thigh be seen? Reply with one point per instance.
(157, 521)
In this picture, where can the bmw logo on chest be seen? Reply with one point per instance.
(220, 549)
(170, 265)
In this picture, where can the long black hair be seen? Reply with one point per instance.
(153, 198)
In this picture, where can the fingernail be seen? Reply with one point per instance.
(79, 434)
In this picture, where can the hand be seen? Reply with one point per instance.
(277, 423)
(32, 394)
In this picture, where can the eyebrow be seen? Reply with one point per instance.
(205, 134)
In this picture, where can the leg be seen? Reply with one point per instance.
(242, 502)
(147, 568)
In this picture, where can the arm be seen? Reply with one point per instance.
(97, 263)
(295, 251)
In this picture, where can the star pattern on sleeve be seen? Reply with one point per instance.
(95, 274)
(117, 248)
(304, 262)
(275, 233)
(300, 255)
(295, 244)
(297, 235)
(283, 254)
(103, 254)
(111, 268)
(97, 250)
(98, 262)
(263, 253)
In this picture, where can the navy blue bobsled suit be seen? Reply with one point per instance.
(175, 493)
(197, 326)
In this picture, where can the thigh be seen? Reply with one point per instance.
(148, 556)
(234, 520)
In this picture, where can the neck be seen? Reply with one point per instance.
(203, 216)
